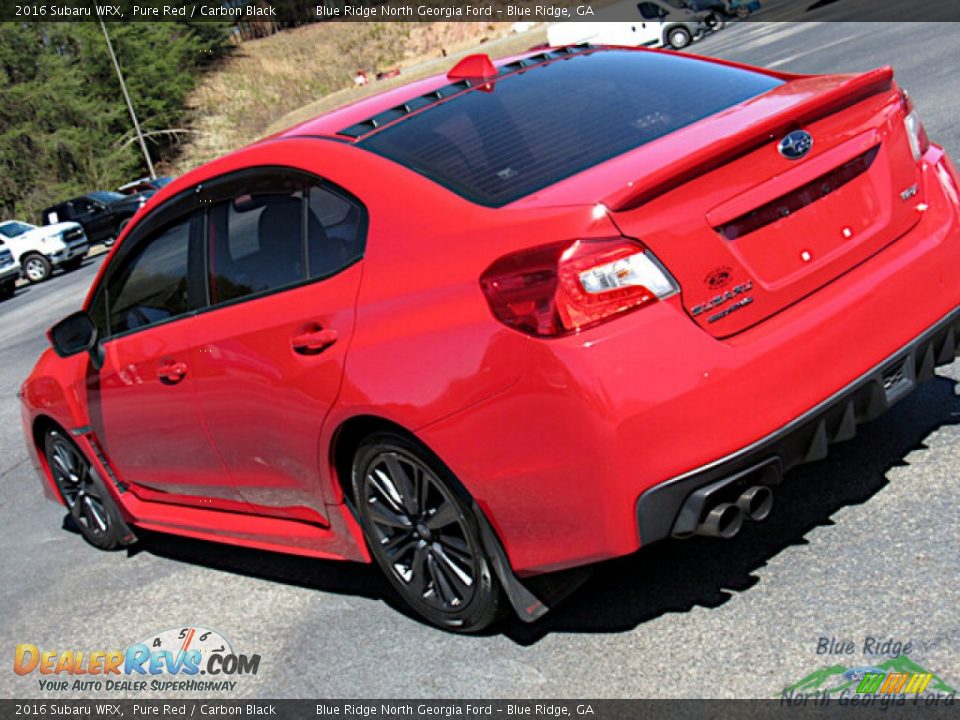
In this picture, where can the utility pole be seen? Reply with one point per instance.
(126, 96)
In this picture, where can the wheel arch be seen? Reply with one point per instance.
(530, 602)
(347, 439)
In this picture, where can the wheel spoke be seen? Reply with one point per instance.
(399, 545)
(423, 488)
(384, 485)
(384, 516)
(403, 483)
(418, 572)
(457, 548)
(457, 575)
(95, 513)
(445, 592)
(444, 515)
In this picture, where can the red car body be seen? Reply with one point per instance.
(582, 445)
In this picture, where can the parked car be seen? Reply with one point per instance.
(144, 184)
(516, 319)
(9, 272)
(39, 250)
(103, 214)
(659, 25)
(718, 11)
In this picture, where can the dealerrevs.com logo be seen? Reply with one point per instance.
(180, 659)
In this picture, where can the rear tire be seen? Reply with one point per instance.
(91, 508)
(36, 267)
(421, 531)
(679, 37)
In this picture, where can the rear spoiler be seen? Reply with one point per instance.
(664, 178)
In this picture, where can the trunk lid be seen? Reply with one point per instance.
(747, 231)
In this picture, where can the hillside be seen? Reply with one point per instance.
(274, 82)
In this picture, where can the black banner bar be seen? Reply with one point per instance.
(303, 11)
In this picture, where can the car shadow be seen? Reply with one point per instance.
(679, 575)
(329, 576)
(670, 576)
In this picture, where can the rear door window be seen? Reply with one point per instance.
(266, 241)
(256, 245)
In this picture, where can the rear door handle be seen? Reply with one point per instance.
(172, 372)
(314, 341)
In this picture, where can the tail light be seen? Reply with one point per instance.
(565, 287)
(916, 134)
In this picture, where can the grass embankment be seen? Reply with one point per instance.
(273, 83)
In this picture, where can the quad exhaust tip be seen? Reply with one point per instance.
(725, 519)
(756, 502)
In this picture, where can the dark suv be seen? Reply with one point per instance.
(103, 214)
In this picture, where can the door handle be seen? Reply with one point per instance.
(314, 341)
(171, 373)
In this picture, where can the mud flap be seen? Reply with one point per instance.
(533, 599)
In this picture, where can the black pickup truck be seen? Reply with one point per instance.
(103, 214)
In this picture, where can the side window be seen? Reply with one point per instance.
(335, 232)
(81, 207)
(256, 244)
(648, 10)
(152, 286)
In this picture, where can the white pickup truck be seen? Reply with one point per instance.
(41, 249)
(658, 24)
(9, 272)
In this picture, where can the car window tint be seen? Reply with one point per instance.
(334, 232)
(534, 128)
(82, 206)
(649, 11)
(152, 287)
(256, 244)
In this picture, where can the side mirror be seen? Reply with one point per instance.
(74, 334)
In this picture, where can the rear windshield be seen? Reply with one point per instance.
(550, 122)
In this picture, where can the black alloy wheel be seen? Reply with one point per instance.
(92, 511)
(422, 533)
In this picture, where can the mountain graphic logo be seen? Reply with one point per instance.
(896, 675)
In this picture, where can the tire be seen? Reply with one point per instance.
(92, 510)
(679, 37)
(714, 21)
(36, 267)
(422, 533)
(73, 264)
(743, 12)
(8, 289)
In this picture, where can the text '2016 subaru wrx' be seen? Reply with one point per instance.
(486, 326)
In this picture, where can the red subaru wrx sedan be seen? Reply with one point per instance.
(510, 321)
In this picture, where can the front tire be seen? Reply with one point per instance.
(92, 510)
(679, 38)
(421, 531)
(36, 267)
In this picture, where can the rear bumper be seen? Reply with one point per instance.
(593, 450)
(661, 510)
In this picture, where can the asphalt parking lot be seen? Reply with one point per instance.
(862, 545)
